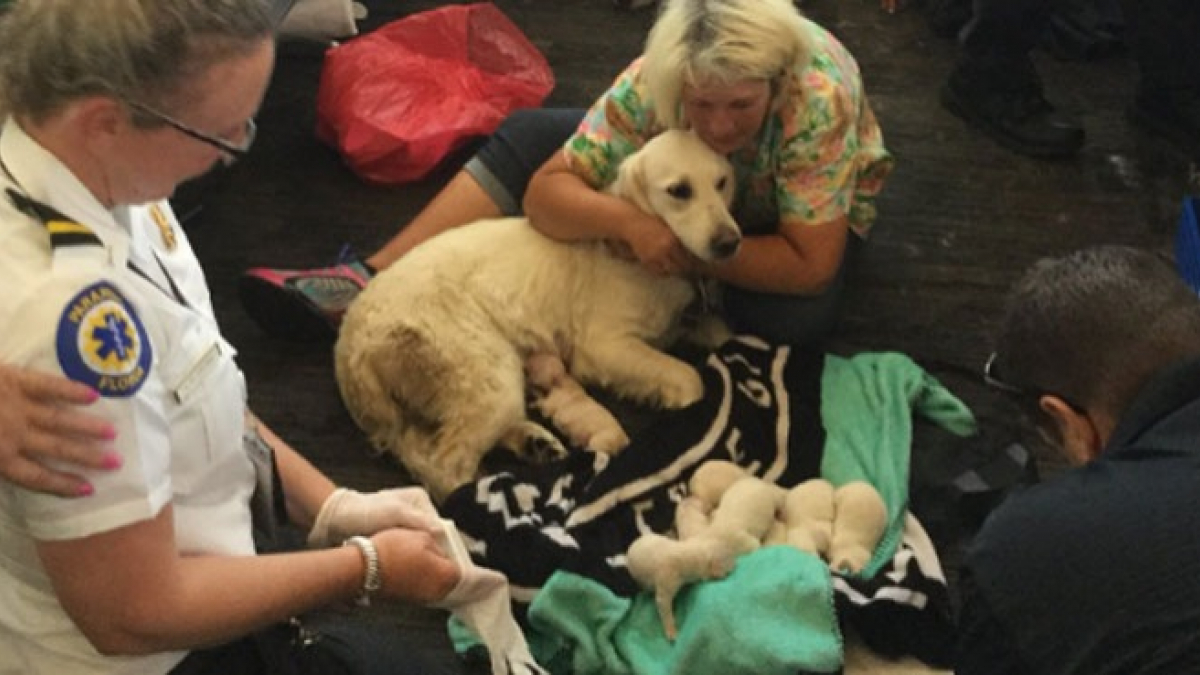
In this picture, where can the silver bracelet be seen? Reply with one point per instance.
(372, 580)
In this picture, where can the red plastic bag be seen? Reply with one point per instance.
(398, 100)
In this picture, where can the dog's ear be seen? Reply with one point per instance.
(631, 182)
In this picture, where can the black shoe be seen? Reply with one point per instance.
(1174, 117)
(1019, 119)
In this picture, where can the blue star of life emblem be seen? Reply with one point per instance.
(101, 342)
(113, 337)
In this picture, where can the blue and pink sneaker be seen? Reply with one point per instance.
(303, 304)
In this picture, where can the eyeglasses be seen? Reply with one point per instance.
(991, 380)
(995, 382)
(232, 152)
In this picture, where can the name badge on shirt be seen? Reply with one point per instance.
(102, 343)
(197, 373)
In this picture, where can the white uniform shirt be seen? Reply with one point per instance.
(169, 385)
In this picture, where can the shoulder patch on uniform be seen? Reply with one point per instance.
(102, 343)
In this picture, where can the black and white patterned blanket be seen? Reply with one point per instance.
(763, 410)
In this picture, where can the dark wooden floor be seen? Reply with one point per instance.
(959, 219)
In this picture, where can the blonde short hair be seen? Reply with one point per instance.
(56, 51)
(724, 41)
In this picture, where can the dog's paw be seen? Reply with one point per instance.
(680, 387)
(541, 446)
(532, 442)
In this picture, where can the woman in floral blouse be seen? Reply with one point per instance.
(761, 84)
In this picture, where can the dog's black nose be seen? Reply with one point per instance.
(726, 244)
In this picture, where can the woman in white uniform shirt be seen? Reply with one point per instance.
(110, 104)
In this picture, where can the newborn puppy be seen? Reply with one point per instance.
(559, 397)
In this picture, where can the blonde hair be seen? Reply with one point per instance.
(721, 41)
(56, 51)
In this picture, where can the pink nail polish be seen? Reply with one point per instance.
(112, 460)
(93, 396)
(110, 433)
(85, 490)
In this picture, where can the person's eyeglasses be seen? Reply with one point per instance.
(991, 379)
(231, 151)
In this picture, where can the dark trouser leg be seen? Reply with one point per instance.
(997, 40)
(526, 139)
(344, 645)
(790, 319)
(995, 88)
(241, 657)
(1162, 35)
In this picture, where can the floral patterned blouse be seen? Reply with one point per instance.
(818, 158)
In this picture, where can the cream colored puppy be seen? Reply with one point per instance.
(429, 358)
(565, 402)
(859, 521)
(808, 516)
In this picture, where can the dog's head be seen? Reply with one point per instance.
(680, 179)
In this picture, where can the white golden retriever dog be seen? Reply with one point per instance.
(430, 356)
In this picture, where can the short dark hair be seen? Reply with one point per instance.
(1095, 325)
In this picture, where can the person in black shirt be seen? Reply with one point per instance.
(1096, 570)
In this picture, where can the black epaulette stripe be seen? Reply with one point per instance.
(63, 231)
(33, 208)
(74, 239)
(67, 233)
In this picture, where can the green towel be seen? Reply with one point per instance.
(867, 404)
(773, 614)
